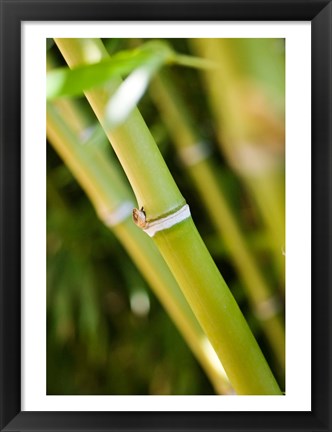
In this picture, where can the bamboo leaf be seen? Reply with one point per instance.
(73, 82)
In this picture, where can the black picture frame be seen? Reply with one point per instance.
(13, 12)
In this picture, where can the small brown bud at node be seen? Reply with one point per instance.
(139, 217)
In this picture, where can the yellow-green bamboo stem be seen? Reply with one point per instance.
(106, 190)
(249, 139)
(201, 170)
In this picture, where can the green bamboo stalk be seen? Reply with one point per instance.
(107, 191)
(250, 137)
(200, 167)
(181, 245)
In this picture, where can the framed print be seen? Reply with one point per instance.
(165, 215)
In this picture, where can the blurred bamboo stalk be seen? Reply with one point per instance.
(196, 158)
(113, 202)
(250, 134)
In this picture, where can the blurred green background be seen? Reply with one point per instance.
(107, 333)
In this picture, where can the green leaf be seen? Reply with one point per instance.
(73, 82)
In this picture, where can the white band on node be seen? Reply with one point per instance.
(118, 215)
(168, 221)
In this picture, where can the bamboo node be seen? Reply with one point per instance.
(152, 227)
